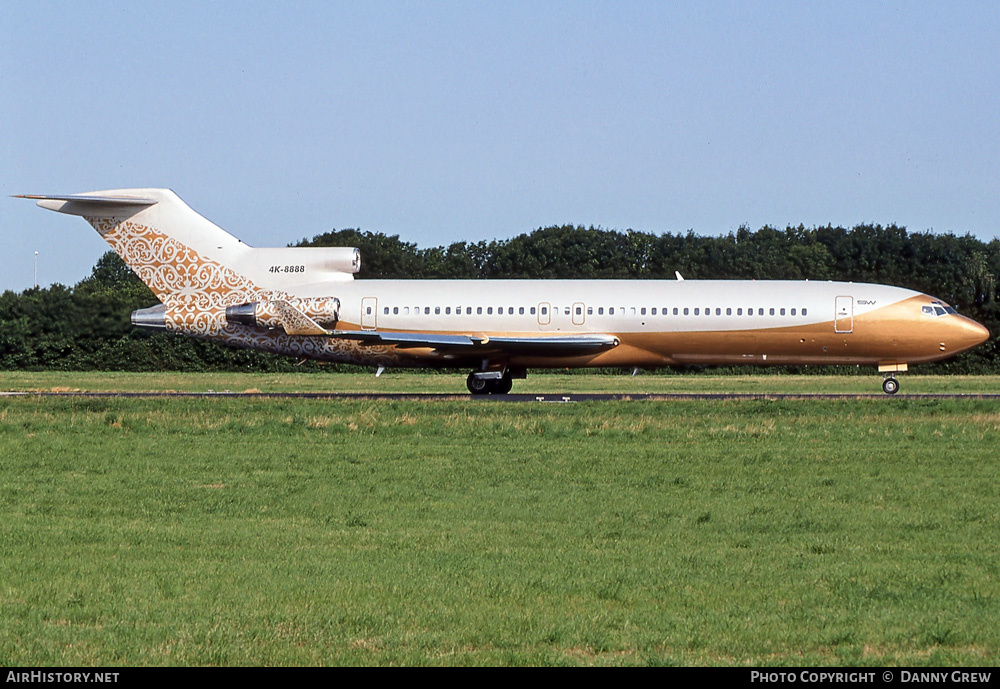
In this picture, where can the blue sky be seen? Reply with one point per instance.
(449, 121)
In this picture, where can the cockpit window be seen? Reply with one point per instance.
(936, 308)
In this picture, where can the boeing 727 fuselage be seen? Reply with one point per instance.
(304, 302)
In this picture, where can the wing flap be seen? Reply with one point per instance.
(408, 340)
(575, 343)
(541, 345)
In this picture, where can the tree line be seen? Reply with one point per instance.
(87, 327)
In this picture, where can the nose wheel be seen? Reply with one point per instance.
(890, 385)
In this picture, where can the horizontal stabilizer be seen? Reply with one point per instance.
(90, 205)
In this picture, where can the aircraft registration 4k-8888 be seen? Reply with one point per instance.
(304, 302)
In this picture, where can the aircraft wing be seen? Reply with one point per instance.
(540, 345)
(295, 321)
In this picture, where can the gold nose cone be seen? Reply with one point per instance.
(983, 333)
(971, 333)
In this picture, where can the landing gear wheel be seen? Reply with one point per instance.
(890, 386)
(478, 386)
(503, 386)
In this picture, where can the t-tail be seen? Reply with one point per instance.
(199, 271)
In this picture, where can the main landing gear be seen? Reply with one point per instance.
(890, 385)
(489, 383)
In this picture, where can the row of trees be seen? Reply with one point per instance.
(87, 327)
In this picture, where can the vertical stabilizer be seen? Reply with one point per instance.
(183, 257)
(196, 269)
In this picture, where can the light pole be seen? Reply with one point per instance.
(36, 270)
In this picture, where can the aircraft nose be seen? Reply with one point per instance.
(967, 334)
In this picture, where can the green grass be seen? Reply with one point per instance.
(537, 382)
(292, 532)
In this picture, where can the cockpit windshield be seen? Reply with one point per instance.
(936, 308)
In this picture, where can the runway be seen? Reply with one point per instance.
(540, 398)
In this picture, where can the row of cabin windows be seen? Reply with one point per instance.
(663, 311)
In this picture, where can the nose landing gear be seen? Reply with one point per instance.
(889, 369)
(890, 385)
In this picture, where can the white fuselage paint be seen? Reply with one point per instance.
(600, 306)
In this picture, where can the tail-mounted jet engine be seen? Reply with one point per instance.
(274, 313)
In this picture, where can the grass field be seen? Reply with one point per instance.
(288, 532)
(867, 382)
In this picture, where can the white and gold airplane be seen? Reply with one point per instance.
(304, 302)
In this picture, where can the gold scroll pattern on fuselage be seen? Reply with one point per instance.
(196, 291)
